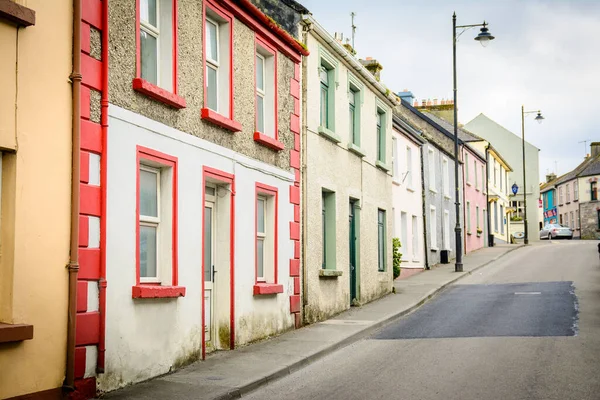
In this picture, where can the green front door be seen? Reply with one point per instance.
(352, 246)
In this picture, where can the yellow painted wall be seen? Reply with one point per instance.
(36, 179)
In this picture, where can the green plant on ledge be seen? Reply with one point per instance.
(516, 218)
(479, 231)
(397, 256)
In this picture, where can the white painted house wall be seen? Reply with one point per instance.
(408, 199)
(146, 337)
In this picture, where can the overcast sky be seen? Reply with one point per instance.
(546, 56)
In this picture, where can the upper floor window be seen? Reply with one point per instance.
(575, 190)
(501, 180)
(395, 160)
(381, 241)
(467, 176)
(380, 126)
(266, 89)
(218, 37)
(446, 177)
(568, 193)
(431, 164)
(593, 191)
(475, 173)
(560, 195)
(409, 177)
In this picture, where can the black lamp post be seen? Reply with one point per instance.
(539, 119)
(484, 38)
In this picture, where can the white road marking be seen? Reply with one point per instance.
(528, 292)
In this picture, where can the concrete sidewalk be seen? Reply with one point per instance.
(228, 375)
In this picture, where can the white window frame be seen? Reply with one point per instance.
(576, 190)
(568, 190)
(477, 217)
(153, 31)
(483, 179)
(468, 216)
(446, 177)
(262, 93)
(431, 162)
(476, 175)
(415, 237)
(210, 62)
(154, 222)
(261, 236)
(447, 230)
(409, 171)
(433, 227)
(467, 175)
(395, 160)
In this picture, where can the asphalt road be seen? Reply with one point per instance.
(525, 327)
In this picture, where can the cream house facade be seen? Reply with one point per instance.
(347, 181)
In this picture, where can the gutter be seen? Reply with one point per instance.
(308, 20)
(73, 266)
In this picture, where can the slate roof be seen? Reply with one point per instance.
(592, 168)
(426, 117)
(463, 134)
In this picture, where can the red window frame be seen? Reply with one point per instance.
(261, 137)
(152, 290)
(261, 287)
(224, 121)
(149, 89)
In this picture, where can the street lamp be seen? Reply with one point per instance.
(484, 37)
(539, 119)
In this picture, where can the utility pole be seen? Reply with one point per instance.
(352, 14)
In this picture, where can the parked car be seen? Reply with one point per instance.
(556, 231)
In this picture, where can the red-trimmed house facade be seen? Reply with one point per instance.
(190, 225)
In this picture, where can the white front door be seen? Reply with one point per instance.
(209, 264)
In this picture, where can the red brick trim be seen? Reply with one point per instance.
(82, 296)
(91, 136)
(91, 12)
(83, 230)
(91, 72)
(84, 167)
(295, 266)
(156, 291)
(89, 264)
(80, 354)
(90, 199)
(88, 328)
(267, 288)
(86, 33)
(220, 120)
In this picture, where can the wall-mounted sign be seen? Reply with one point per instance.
(550, 213)
(515, 188)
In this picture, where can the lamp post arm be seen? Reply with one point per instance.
(470, 26)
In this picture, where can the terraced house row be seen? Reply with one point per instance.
(213, 173)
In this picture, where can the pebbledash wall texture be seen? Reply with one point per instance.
(116, 325)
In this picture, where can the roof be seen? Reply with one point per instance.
(498, 155)
(592, 168)
(586, 168)
(547, 186)
(463, 134)
(407, 128)
(430, 121)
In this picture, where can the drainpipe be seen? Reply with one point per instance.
(424, 205)
(487, 193)
(307, 27)
(103, 171)
(73, 266)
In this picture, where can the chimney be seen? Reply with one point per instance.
(595, 148)
(550, 177)
(407, 96)
(372, 66)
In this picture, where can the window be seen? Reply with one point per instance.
(409, 174)
(568, 193)
(496, 216)
(395, 161)
(354, 114)
(502, 219)
(495, 175)
(446, 230)
(218, 60)
(415, 238)
(433, 227)
(446, 177)
(431, 162)
(483, 178)
(381, 134)
(266, 94)
(328, 221)
(576, 219)
(156, 262)
(467, 168)
(468, 216)
(156, 62)
(381, 245)
(501, 184)
(324, 116)
(475, 173)
(404, 229)
(266, 234)
(593, 191)
(560, 195)
(598, 219)
(477, 217)
(576, 190)
(560, 218)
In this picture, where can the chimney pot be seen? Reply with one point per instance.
(595, 148)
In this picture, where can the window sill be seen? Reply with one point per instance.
(330, 273)
(157, 93)
(268, 141)
(267, 288)
(395, 182)
(356, 150)
(410, 189)
(330, 135)
(10, 333)
(382, 165)
(447, 197)
(469, 233)
(479, 190)
(220, 120)
(157, 292)
(435, 249)
(568, 202)
(469, 183)
(433, 190)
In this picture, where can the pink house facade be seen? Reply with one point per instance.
(474, 202)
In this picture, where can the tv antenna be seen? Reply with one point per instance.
(585, 146)
(352, 15)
